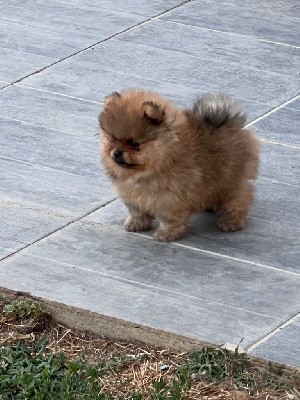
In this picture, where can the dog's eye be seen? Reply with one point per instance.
(133, 144)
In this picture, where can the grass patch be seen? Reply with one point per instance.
(59, 363)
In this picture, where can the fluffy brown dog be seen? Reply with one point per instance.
(167, 163)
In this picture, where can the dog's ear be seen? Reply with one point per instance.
(153, 112)
(113, 96)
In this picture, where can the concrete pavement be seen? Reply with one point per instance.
(61, 235)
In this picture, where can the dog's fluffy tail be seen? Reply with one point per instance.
(218, 110)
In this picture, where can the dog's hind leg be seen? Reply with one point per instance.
(236, 207)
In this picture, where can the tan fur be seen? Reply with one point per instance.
(183, 165)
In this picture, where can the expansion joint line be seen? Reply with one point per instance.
(273, 332)
(58, 229)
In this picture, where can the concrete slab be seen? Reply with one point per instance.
(15, 64)
(42, 165)
(170, 66)
(279, 7)
(44, 109)
(209, 45)
(3, 84)
(25, 38)
(294, 105)
(281, 126)
(4, 252)
(66, 19)
(279, 24)
(115, 274)
(283, 346)
(23, 224)
(44, 159)
(70, 79)
(278, 163)
(141, 7)
(35, 36)
(271, 202)
(51, 148)
(62, 193)
(137, 65)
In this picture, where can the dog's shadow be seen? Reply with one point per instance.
(206, 222)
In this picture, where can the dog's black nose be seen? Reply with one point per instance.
(118, 156)
(118, 153)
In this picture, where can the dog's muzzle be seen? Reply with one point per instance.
(119, 159)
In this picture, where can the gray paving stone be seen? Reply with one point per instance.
(261, 242)
(45, 147)
(281, 7)
(37, 35)
(28, 39)
(243, 19)
(70, 78)
(113, 214)
(141, 7)
(48, 168)
(22, 225)
(169, 66)
(50, 110)
(272, 204)
(3, 84)
(133, 302)
(283, 347)
(179, 76)
(208, 45)
(210, 298)
(49, 176)
(295, 105)
(73, 19)
(282, 126)
(7, 245)
(279, 163)
(4, 252)
(60, 192)
(15, 64)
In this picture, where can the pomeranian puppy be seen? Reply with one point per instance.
(167, 163)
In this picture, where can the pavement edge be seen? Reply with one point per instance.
(106, 326)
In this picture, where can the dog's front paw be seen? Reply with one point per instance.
(164, 235)
(229, 224)
(137, 224)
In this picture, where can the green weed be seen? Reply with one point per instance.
(30, 373)
(216, 365)
(21, 309)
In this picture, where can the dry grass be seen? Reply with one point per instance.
(138, 365)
